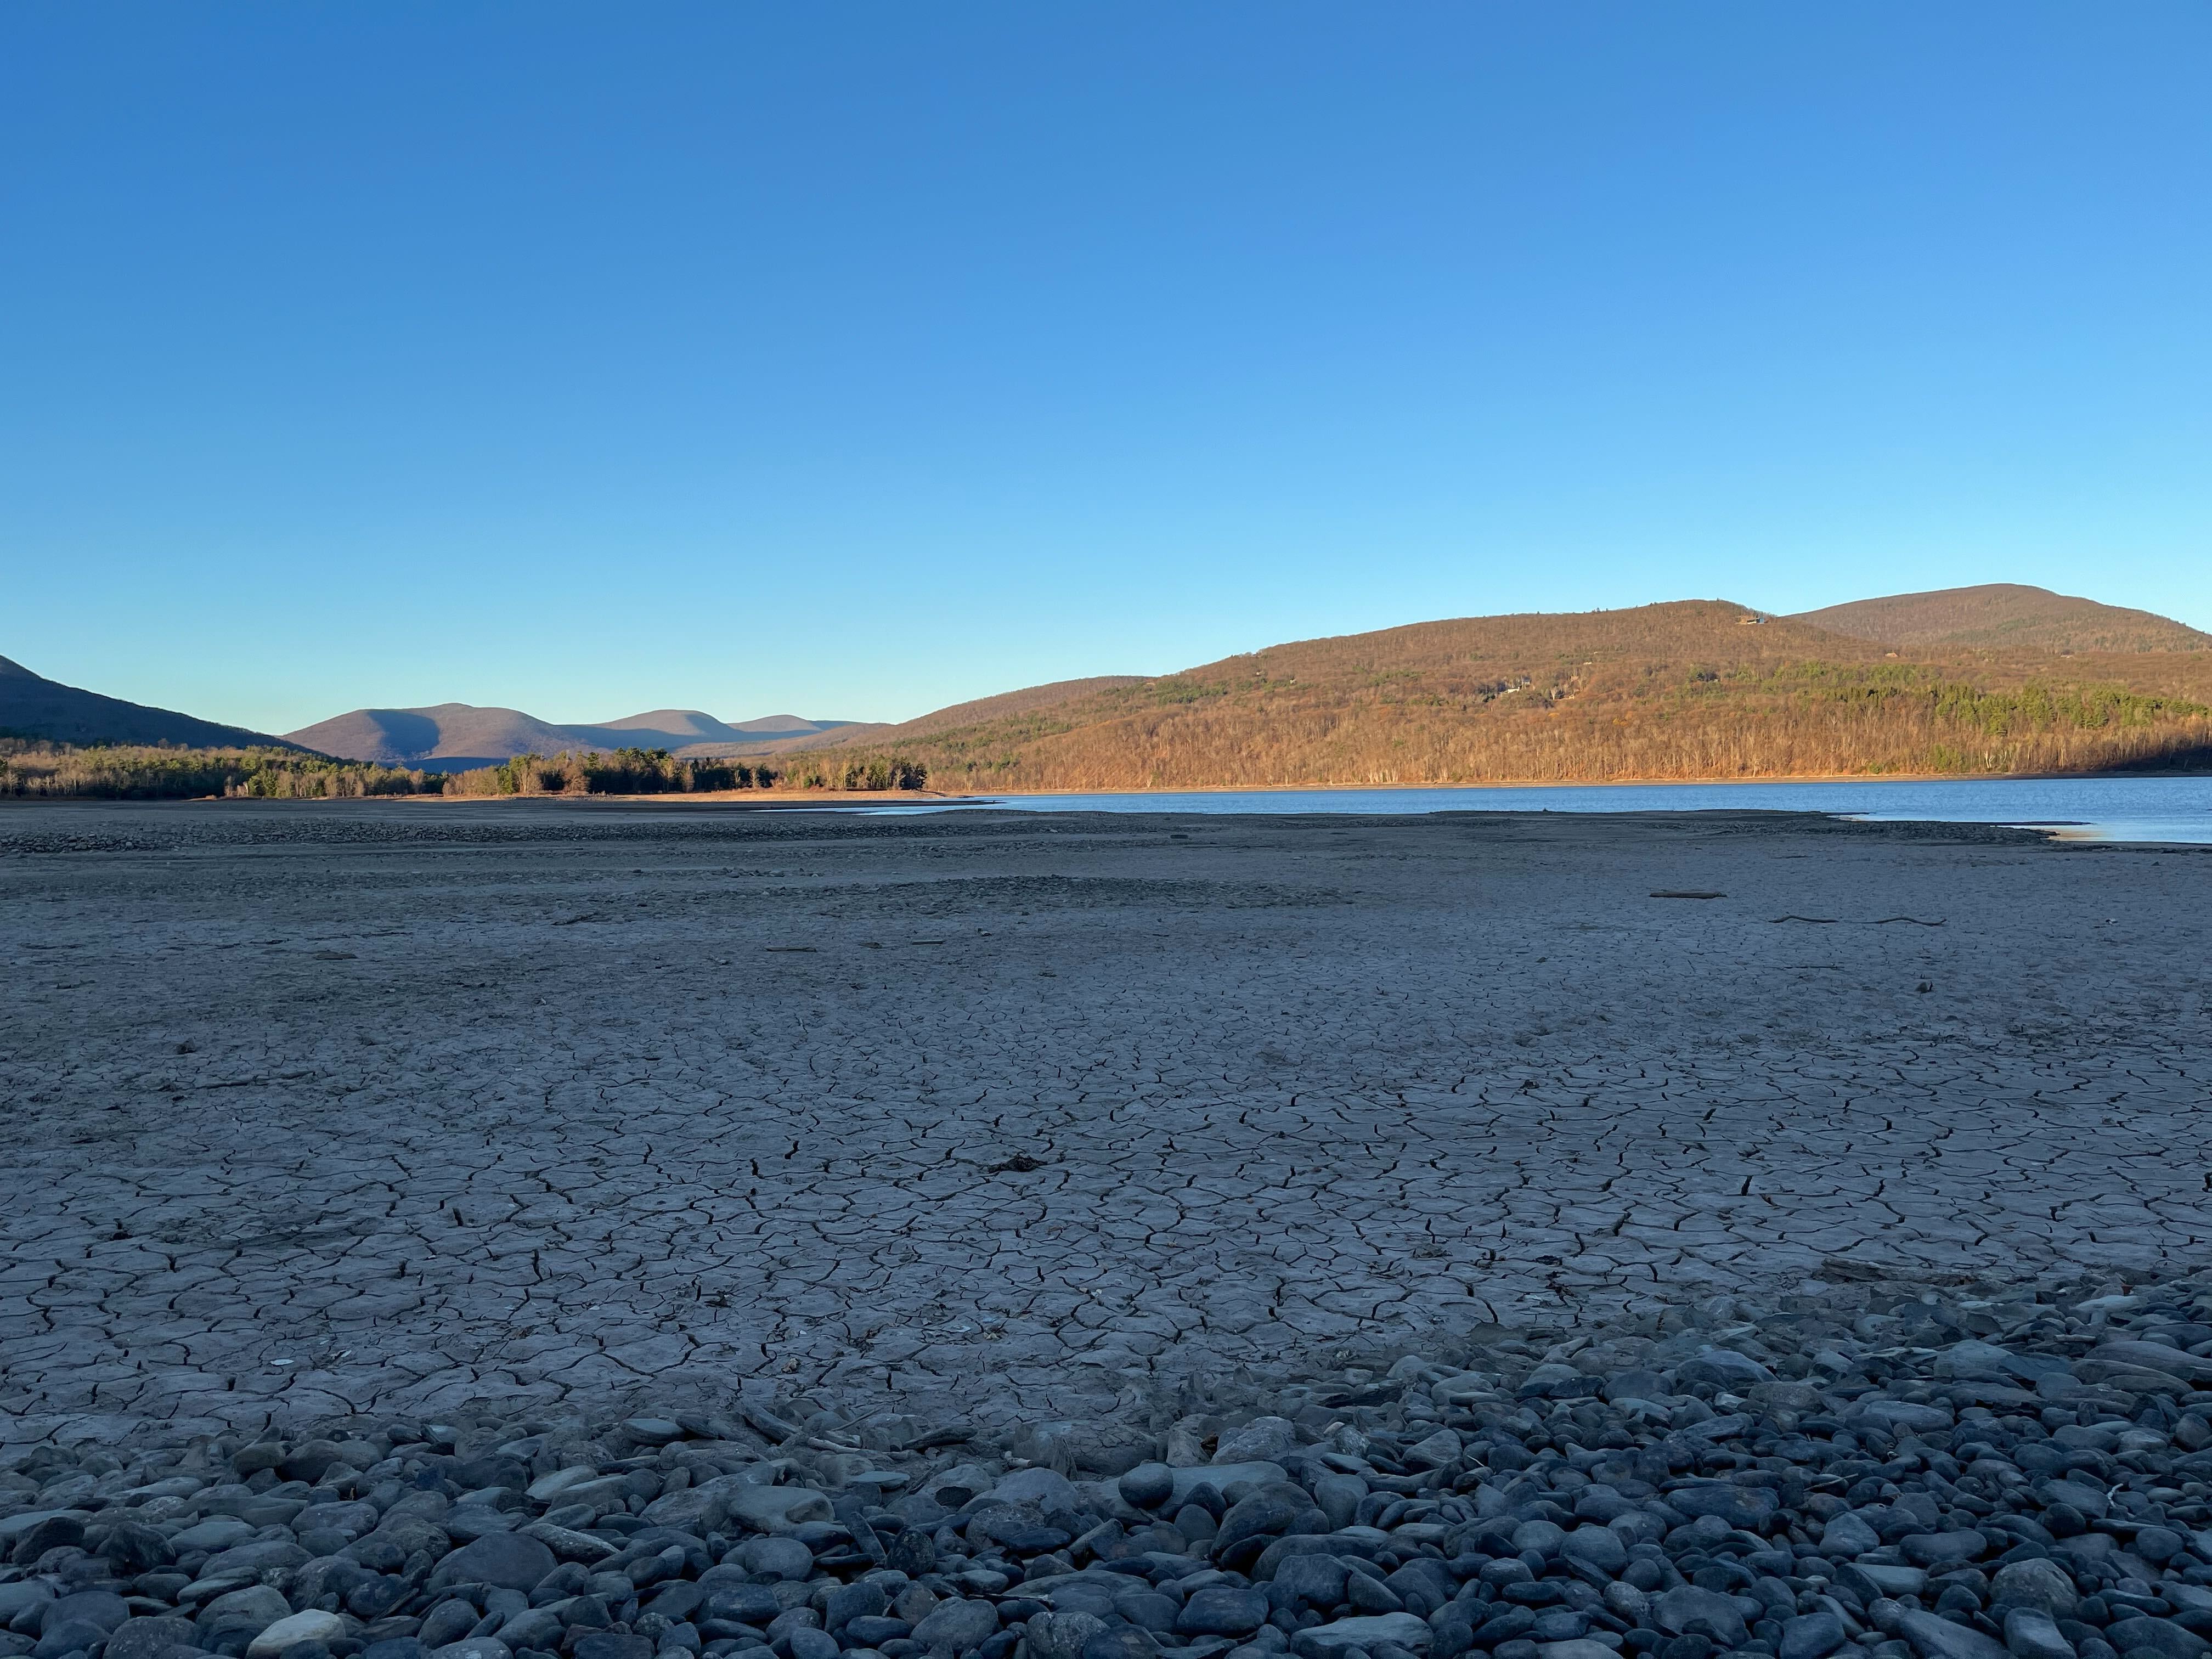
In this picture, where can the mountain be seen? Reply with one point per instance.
(2002, 614)
(1007, 705)
(33, 706)
(455, 737)
(1698, 689)
(450, 737)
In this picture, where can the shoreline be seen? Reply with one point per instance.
(1617, 783)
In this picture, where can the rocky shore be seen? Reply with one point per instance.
(1879, 1467)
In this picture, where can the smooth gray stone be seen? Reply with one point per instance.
(63, 1636)
(1081, 1594)
(1062, 1635)
(1724, 1501)
(1148, 1485)
(2044, 1586)
(1847, 1534)
(1551, 1382)
(1601, 1547)
(1048, 1489)
(2092, 1501)
(769, 1507)
(1897, 1414)
(1936, 1550)
(1338, 1497)
(1398, 1629)
(2031, 1633)
(255, 1607)
(2156, 1638)
(1933, 1638)
(533, 1627)
(1318, 1579)
(846, 1603)
(1685, 1610)
(1221, 1477)
(776, 1558)
(748, 1604)
(251, 1560)
(873, 1631)
(448, 1621)
(1813, 1636)
(1149, 1610)
(957, 1624)
(1264, 1439)
(1269, 1512)
(1978, 1360)
(1222, 1610)
(1870, 1580)
(1437, 1451)
(130, 1548)
(22, 1597)
(308, 1626)
(13, 1526)
(1543, 1536)
(148, 1638)
(466, 1523)
(1626, 1601)
(218, 1532)
(1124, 1642)
(354, 1518)
(103, 1607)
(568, 1545)
(504, 1560)
(798, 1616)
(1365, 1595)
(1724, 1367)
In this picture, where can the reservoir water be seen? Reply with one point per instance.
(2161, 809)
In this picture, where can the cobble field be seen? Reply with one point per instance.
(322, 1108)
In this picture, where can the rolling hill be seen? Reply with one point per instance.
(32, 705)
(2004, 615)
(454, 737)
(1698, 689)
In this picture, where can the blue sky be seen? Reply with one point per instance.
(854, 359)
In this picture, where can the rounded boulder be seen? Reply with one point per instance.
(1148, 1485)
(504, 1560)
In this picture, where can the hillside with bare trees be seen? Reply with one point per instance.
(1699, 688)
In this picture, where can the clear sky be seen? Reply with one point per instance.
(852, 359)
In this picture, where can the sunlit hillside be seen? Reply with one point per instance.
(1701, 689)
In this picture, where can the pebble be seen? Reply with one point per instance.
(310, 1626)
(1872, 1470)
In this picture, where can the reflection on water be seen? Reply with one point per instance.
(2074, 809)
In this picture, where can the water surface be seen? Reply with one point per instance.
(2088, 809)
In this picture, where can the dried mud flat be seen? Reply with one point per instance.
(997, 1120)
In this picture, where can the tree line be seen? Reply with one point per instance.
(656, 771)
(162, 772)
(30, 769)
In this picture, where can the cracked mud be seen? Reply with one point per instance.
(322, 1110)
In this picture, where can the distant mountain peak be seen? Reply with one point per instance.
(1998, 615)
(12, 670)
(452, 736)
